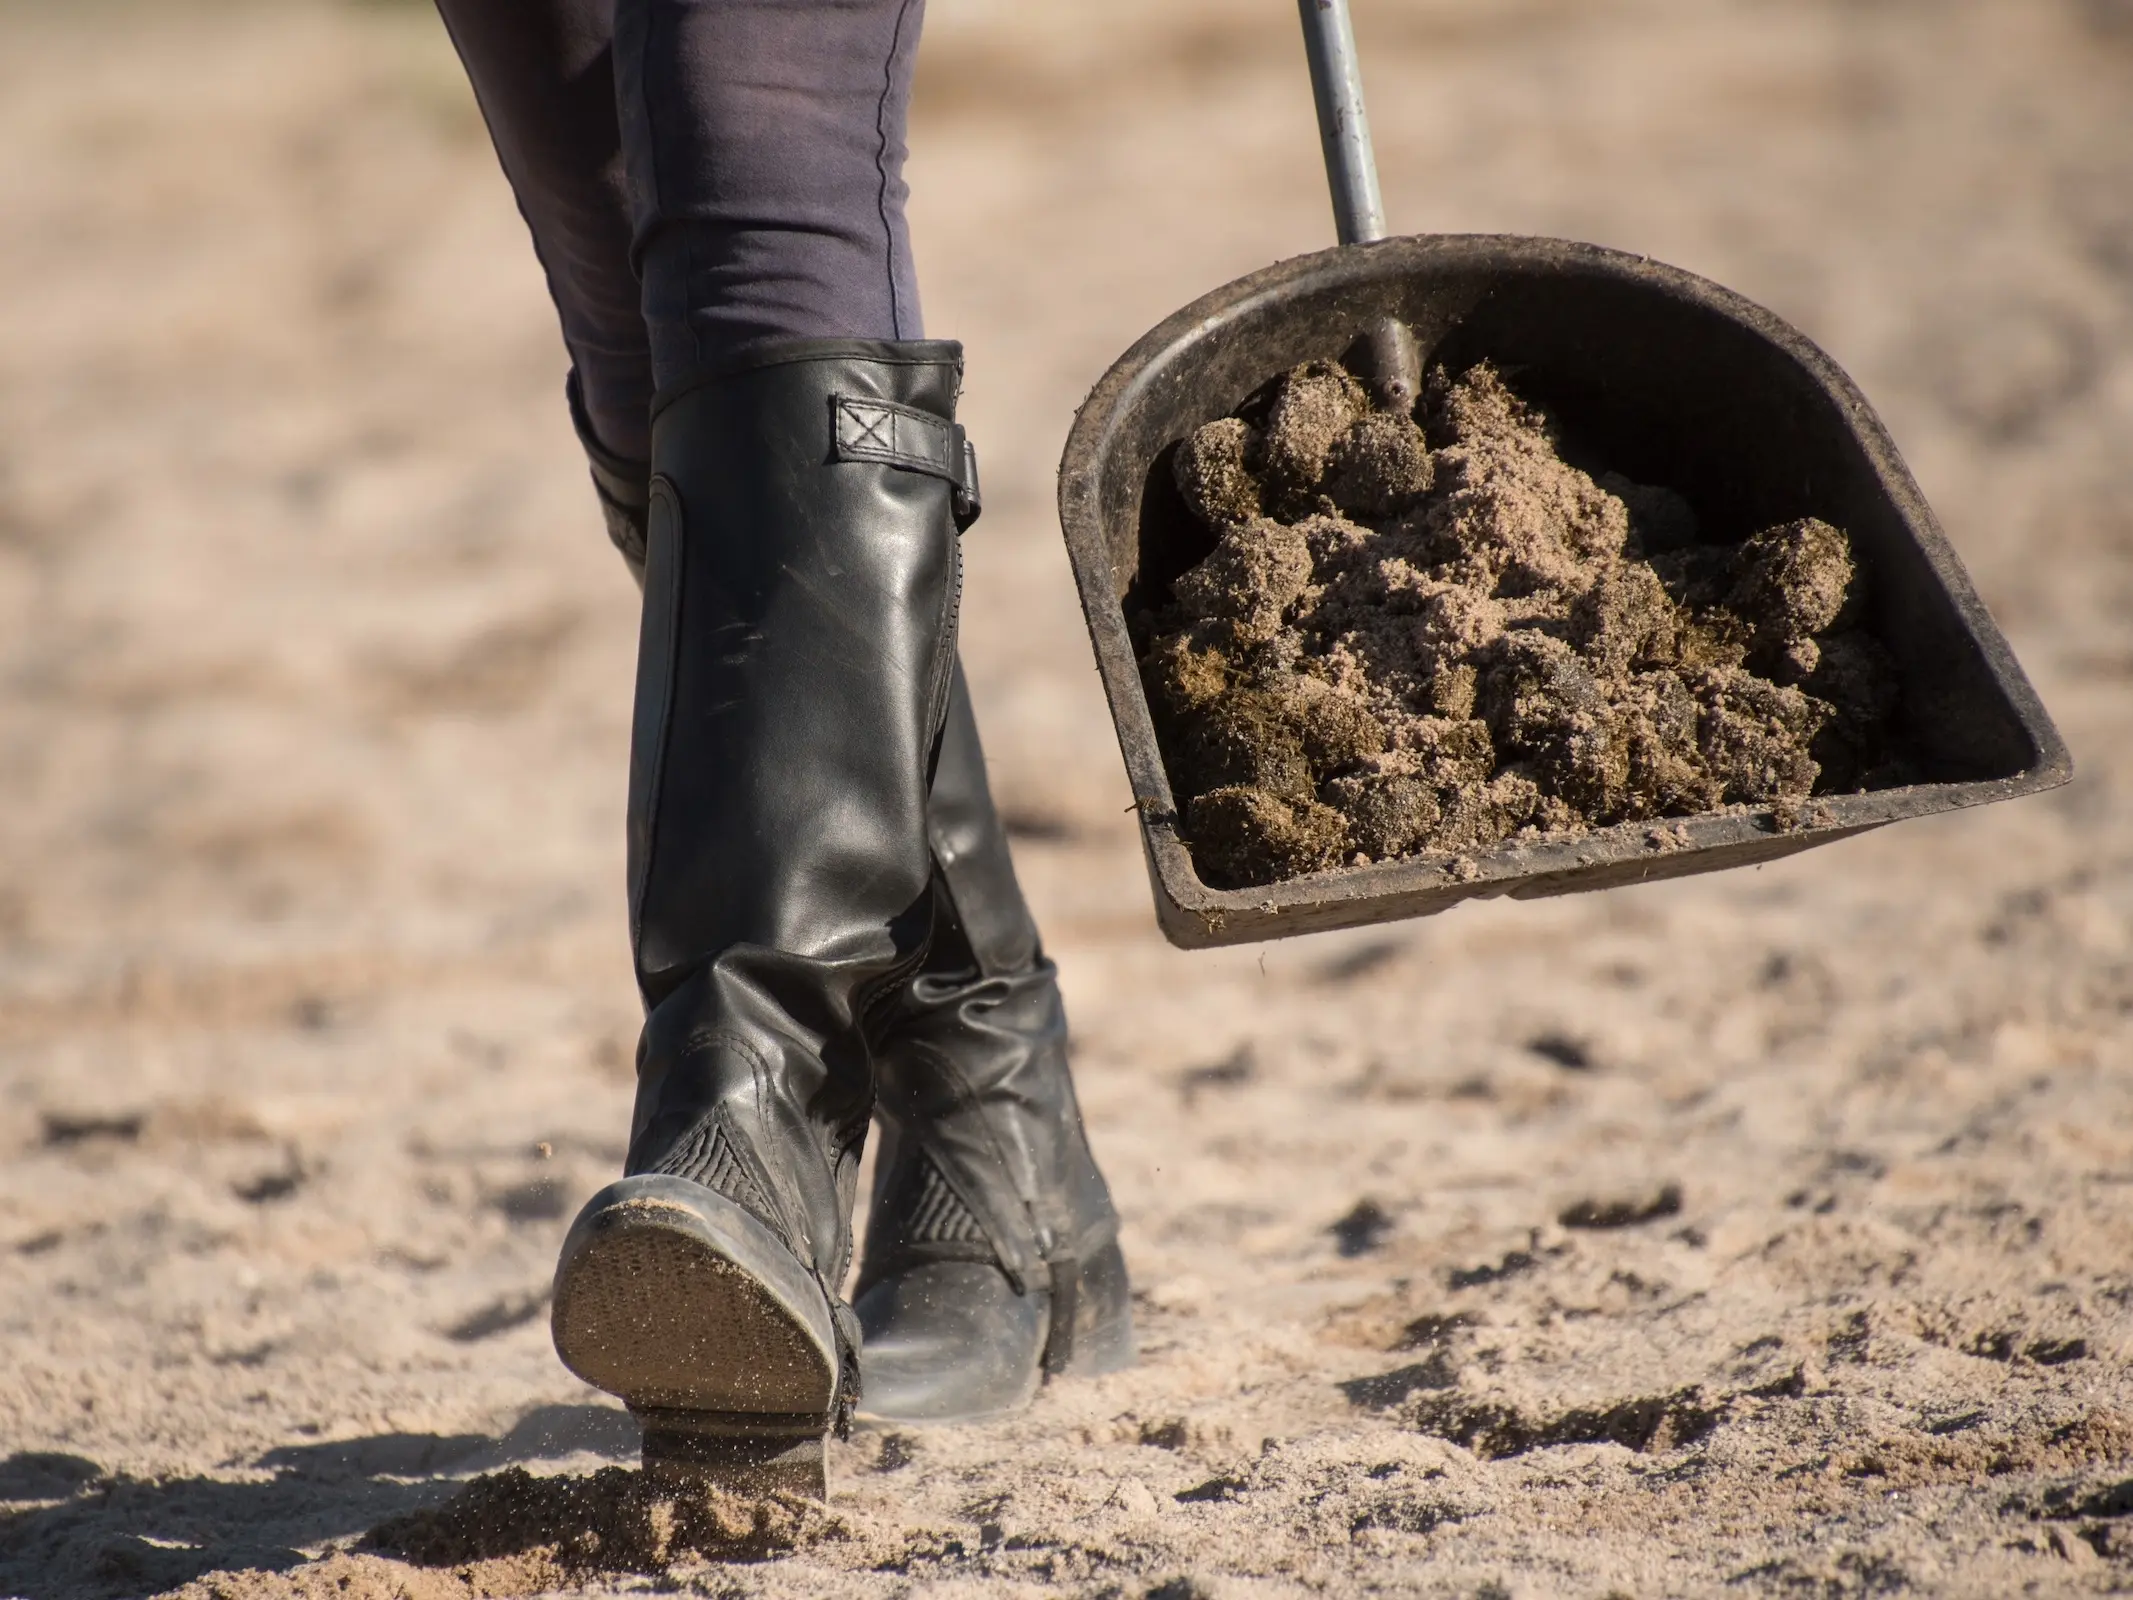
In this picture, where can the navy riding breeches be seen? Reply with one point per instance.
(700, 176)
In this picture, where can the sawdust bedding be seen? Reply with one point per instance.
(1435, 635)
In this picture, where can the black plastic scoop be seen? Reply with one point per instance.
(1669, 378)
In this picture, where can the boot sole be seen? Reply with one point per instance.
(692, 1311)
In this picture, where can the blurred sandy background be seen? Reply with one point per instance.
(315, 1009)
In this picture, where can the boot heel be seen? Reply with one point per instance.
(734, 1453)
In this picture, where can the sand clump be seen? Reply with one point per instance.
(515, 1533)
(1395, 648)
(612, 1520)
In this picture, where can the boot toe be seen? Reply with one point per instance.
(950, 1341)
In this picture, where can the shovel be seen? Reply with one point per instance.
(1668, 377)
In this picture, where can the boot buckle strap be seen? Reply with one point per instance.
(917, 441)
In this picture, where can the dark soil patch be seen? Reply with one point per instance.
(1623, 1212)
(1381, 1391)
(1493, 1429)
(1434, 1328)
(1214, 1491)
(1363, 1228)
(1513, 1263)
(1432, 637)
(65, 1128)
(1572, 1055)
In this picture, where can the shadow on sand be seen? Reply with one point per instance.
(97, 1536)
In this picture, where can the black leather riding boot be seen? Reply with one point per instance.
(992, 1253)
(800, 586)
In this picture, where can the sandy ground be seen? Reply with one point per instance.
(314, 1002)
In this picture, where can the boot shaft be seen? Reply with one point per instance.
(802, 574)
(800, 586)
(983, 1130)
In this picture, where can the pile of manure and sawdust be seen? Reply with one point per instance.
(1395, 649)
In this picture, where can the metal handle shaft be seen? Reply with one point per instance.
(1337, 86)
(1393, 360)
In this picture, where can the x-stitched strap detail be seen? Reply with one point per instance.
(917, 441)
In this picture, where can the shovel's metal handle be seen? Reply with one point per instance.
(1337, 86)
(1393, 359)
